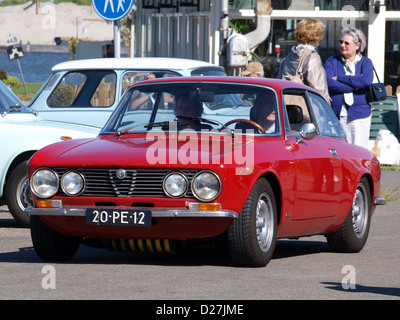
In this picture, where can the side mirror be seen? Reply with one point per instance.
(307, 132)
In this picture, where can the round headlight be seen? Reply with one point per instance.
(206, 186)
(44, 183)
(175, 185)
(72, 183)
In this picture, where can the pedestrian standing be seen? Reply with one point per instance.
(309, 32)
(349, 74)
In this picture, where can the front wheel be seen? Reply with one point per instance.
(51, 245)
(17, 194)
(252, 237)
(352, 235)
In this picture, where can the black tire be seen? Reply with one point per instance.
(352, 235)
(252, 237)
(17, 194)
(51, 245)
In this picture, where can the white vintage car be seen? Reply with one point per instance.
(87, 91)
(22, 133)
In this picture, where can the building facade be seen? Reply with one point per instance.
(192, 29)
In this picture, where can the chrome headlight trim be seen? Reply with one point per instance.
(206, 185)
(44, 183)
(73, 183)
(175, 184)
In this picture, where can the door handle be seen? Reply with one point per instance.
(334, 153)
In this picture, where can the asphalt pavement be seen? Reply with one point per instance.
(303, 269)
(391, 181)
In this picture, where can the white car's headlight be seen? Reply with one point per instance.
(72, 183)
(175, 184)
(206, 186)
(44, 183)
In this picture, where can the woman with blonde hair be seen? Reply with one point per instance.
(309, 32)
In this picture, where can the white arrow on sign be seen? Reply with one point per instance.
(16, 52)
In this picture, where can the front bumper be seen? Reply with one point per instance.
(155, 212)
(167, 223)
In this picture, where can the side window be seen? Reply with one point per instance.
(208, 72)
(325, 119)
(104, 95)
(132, 77)
(65, 93)
(298, 114)
(84, 89)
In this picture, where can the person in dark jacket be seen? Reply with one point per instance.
(349, 74)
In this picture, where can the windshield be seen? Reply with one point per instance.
(196, 106)
(9, 102)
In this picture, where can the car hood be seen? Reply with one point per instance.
(25, 122)
(142, 150)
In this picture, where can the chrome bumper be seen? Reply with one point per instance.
(379, 201)
(155, 212)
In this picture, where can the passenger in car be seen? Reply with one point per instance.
(263, 111)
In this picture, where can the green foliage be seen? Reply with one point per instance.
(389, 195)
(5, 3)
(13, 81)
(242, 26)
(77, 2)
(3, 74)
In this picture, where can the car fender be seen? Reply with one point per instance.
(17, 148)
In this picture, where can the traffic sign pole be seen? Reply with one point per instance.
(15, 52)
(22, 76)
(117, 39)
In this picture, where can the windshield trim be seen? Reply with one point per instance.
(161, 85)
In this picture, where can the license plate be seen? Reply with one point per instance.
(117, 217)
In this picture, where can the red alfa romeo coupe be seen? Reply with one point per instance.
(241, 160)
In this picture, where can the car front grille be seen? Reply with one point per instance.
(137, 182)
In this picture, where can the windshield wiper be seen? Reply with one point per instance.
(199, 119)
(150, 125)
(146, 125)
(16, 108)
(204, 120)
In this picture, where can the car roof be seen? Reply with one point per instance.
(278, 84)
(136, 63)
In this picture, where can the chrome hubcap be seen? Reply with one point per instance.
(264, 222)
(23, 195)
(360, 212)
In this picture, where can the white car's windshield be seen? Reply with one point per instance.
(196, 106)
(9, 102)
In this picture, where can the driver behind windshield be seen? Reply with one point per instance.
(187, 111)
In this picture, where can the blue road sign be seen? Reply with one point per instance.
(112, 10)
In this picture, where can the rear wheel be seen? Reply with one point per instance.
(352, 235)
(252, 237)
(51, 245)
